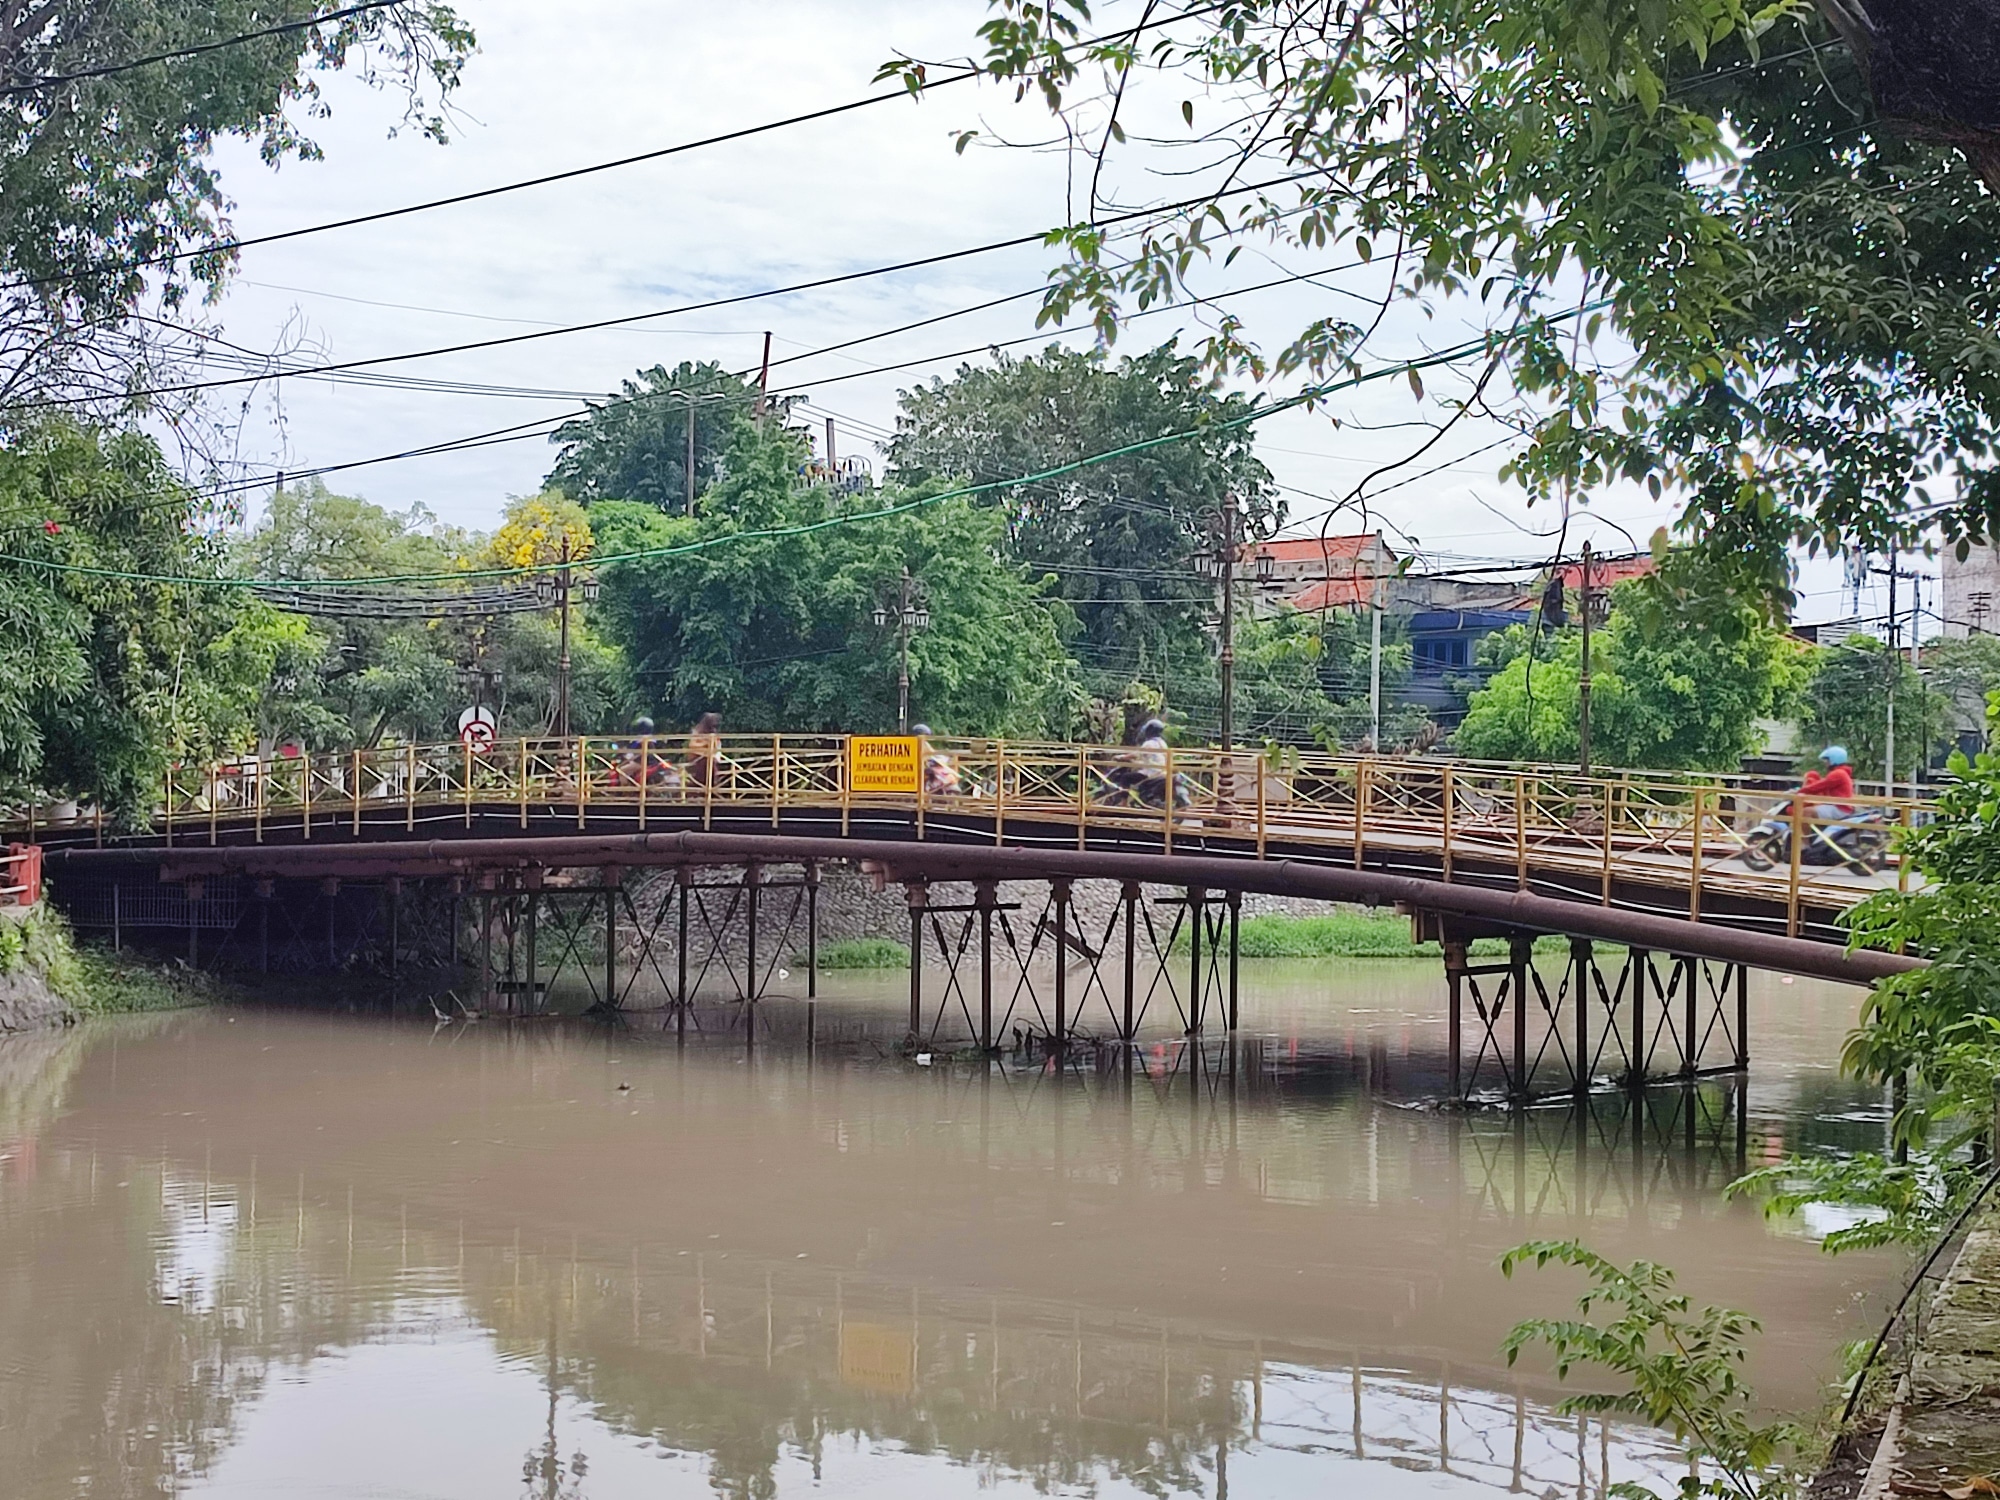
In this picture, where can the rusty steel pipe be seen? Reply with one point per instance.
(936, 861)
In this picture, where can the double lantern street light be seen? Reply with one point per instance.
(1221, 565)
(909, 612)
(554, 591)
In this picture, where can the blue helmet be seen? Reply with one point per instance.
(1834, 755)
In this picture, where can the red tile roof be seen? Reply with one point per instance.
(1312, 548)
(1334, 593)
(1606, 571)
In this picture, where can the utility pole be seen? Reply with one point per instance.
(1583, 677)
(1922, 761)
(562, 656)
(1375, 665)
(1895, 671)
(1229, 622)
(556, 591)
(764, 375)
(911, 614)
(689, 465)
(829, 450)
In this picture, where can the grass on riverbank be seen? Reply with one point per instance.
(1347, 934)
(95, 981)
(1337, 934)
(859, 953)
(123, 984)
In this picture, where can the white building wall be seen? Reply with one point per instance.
(1971, 593)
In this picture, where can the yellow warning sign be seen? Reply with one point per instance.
(884, 763)
(875, 1358)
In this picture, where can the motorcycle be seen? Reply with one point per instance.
(1857, 843)
(1124, 786)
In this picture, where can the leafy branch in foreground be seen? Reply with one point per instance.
(1682, 1371)
(1900, 1203)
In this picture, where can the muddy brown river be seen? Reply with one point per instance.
(270, 1254)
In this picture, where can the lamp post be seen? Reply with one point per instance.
(1221, 565)
(1583, 675)
(909, 613)
(555, 591)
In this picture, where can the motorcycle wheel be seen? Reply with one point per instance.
(1865, 851)
(1758, 854)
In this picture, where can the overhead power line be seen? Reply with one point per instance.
(1479, 348)
(545, 426)
(55, 80)
(943, 257)
(230, 246)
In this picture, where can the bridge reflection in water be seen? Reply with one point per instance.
(1061, 1277)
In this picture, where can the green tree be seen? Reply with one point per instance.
(1123, 539)
(1771, 214)
(100, 174)
(109, 677)
(1962, 674)
(633, 446)
(404, 660)
(1672, 687)
(776, 631)
(1846, 702)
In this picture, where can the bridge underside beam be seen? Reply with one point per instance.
(973, 862)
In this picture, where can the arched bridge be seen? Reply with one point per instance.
(1649, 861)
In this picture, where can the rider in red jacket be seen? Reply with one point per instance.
(1832, 790)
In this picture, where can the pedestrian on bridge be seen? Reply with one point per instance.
(705, 749)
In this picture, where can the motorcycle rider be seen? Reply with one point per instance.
(940, 770)
(1150, 762)
(1833, 788)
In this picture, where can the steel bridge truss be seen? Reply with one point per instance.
(953, 981)
(684, 936)
(1643, 1017)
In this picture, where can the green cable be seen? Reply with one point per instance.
(889, 512)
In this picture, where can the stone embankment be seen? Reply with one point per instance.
(30, 994)
(1943, 1432)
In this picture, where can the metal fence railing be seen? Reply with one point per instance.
(1689, 834)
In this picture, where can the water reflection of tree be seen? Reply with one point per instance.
(762, 1380)
(544, 1473)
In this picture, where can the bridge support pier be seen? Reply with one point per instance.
(1657, 1018)
(1063, 968)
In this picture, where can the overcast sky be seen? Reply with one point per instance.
(555, 87)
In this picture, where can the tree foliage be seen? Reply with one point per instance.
(633, 446)
(358, 680)
(1940, 1025)
(1680, 1370)
(100, 175)
(1670, 687)
(1847, 700)
(776, 631)
(1122, 539)
(109, 677)
(1798, 328)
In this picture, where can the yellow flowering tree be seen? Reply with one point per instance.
(535, 528)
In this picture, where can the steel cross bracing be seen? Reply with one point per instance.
(1604, 1155)
(703, 916)
(1648, 1006)
(952, 975)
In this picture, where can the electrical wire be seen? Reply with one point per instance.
(219, 247)
(53, 80)
(1483, 347)
(844, 278)
(542, 427)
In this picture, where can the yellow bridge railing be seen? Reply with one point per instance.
(1684, 834)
